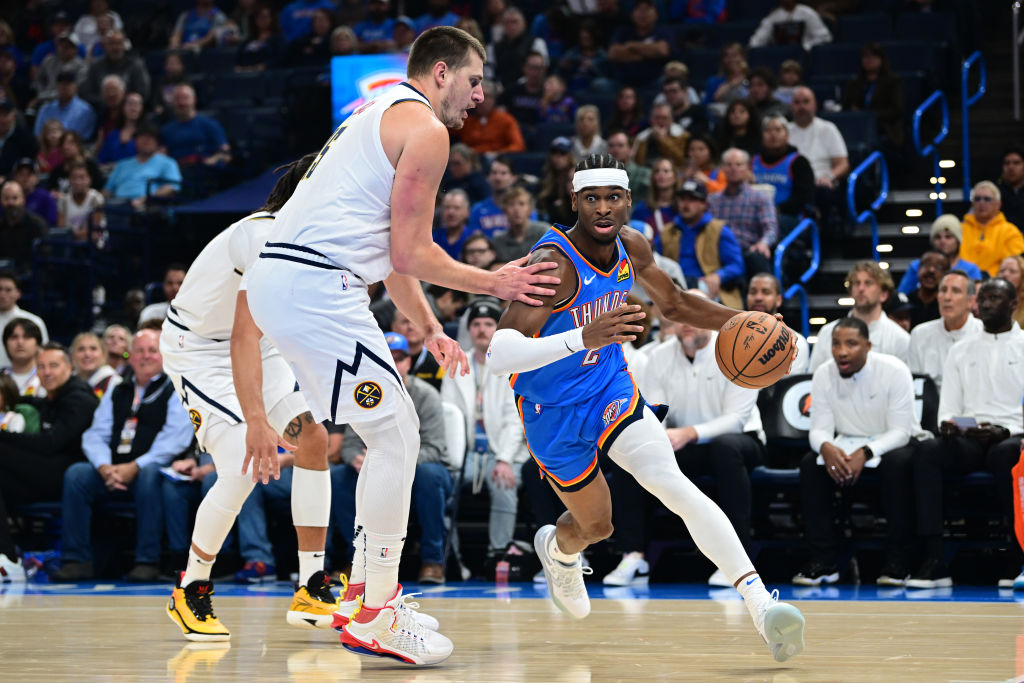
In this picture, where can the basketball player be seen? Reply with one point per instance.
(577, 399)
(363, 214)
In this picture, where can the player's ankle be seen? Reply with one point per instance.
(353, 591)
(366, 614)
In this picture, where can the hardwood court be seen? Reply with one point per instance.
(113, 637)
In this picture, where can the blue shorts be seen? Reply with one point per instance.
(567, 440)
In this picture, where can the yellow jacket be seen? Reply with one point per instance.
(987, 245)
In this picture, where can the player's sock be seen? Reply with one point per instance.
(556, 554)
(310, 562)
(358, 573)
(383, 554)
(751, 587)
(197, 569)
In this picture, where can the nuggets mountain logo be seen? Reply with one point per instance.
(367, 395)
(196, 419)
(623, 270)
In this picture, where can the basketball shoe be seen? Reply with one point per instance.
(632, 569)
(781, 626)
(565, 582)
(11, 571)
(349, 601)
(393, 631)
(313, 605)
(190, 608)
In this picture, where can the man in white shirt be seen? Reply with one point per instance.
(870, 287)
(712, 425)
(765, 294)
(980, 425)
(930, 342)
(823, 145)
(862, 419)
(10, 292)
(791, 24)
(22, 340)
(173, 277)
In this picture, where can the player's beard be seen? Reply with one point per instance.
(451, 116)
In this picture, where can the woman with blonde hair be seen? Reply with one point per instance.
(587, 139)
(50, 155)
(658, 209)
(1012, 269)
(88, 357)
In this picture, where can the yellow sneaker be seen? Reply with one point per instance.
(313, 605)
(190, 608)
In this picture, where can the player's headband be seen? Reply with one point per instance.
(600, 177)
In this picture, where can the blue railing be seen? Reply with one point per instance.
(966, 102)
(797, 288)
(933, 147)
(868, 214)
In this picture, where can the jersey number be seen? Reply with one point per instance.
(327, 146)
(591, 357)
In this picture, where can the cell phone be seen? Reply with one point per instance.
(964, 423)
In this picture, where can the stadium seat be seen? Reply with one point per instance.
(529, 163)
(717, 35)
(858, 128)
(862, 28)
(751, 10)
(772, 56)
(834, 60)
(929, 27)
(544, 133)
(604, 101)
(926, 402)
(703, 64)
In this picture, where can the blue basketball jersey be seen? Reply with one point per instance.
(779, 174)
(585, 373)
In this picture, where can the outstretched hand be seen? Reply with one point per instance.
(516, 281)
(448, 354)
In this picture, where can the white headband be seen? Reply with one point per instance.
(600, 177)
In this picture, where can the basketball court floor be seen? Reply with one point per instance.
(119, 632)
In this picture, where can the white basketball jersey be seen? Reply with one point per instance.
(205, 304)
(342, 207)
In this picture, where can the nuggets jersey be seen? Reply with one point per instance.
(342, 207)
(205, 304)
(585, 373)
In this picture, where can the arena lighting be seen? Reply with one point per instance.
(884, 265)
(884, 248)
(942, 195)
(845, 301)
(947, 163)
(942, 180)
(910, 229)
(816, 321)
(915, 213)
(812, 340)
(933, 195)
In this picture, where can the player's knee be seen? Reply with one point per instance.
(597, 530)
(312, 451)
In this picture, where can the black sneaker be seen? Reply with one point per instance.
(932, 574)
(893, 574)
(815, 574)
(319, 586)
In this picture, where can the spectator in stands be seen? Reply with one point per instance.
(265, 46)
(315, 49)
(16, 141)
(554, 196)
(983, 381)
(587, 139)
(72, 150)
(37, 199)
(730, 83)
(522, 97)
(1011, 185)
(22, 339)
(585, 65)
(297, 17)
(818, 140)
(116, 60)
(404, 35)
(193, 138)
(639, 176)
(556, 105)
(877, 89)
(15, 415)
(627, 114)
(791, 24)
(32, 469)
(10, 294)
(112, 94)
(180, 499)
(690, 114)
(115, 340)
(81, 208)
(988, 237)
(762, 93)
(702, 162)
(199, 27)
(870, 287)
(374, 32)
(60, 23)
(13, 83)
(486, 216)
(439, 14)
(87, 28)
(494, 434)
(704, 246)
(89, 359)
(697, 12)
(924, 301)
(1012, 270)
(174, 275)
(463, 173)
(173, 76)
(740, 127)
(931, 341)
(638, 51)
(855, 430)
(478, 251)
(791, 77)
(782, 166)
(136, 178)
(18, 227)
(139, 427)
(424, 366)
(764, 294)
(522, 232)
(491, 131)
(120, 143)
(946, 234)
(344, 42)
(747, 212)
(432, 483)
(50, 154)
(454, 229)
(658, 208)
(71, 110)
(64, 58)
(507, 56)
(663, 139)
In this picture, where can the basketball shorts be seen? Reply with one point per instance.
(200, 370)
(318, 315)
(566, 441)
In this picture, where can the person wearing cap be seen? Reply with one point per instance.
(491, 131)
(522, 232)
(432, 484)
(71, 110)
(494, 435)
(522, 98)
(704, 246)
(946, 235)
(64, 57)
(118, 61)
(60, 24)
(16, 140)
(376, 31)
(404, 34)
(37, 199)
(18, 227)
(988, 237)
(131, 177)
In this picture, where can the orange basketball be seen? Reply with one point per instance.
(753, 349)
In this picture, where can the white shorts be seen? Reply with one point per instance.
(200, 369)
(319, 317)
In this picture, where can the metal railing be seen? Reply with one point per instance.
(932, 148)
(868, 214)
(797, 288)
(966, 102)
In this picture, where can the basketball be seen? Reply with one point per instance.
(753, 349)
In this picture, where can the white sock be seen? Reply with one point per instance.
(310, 562)
(197, 569)
(383, 555)
(557, 554)
(358, 573)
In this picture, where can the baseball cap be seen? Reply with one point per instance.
(397, 342)
(70, 37)
(407, 21)
(560, 144)
(899, 304)
(949, 223)
(484, 308)
(693, 188)
(23, 162)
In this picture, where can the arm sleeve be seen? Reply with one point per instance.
(428, 407)
(822, 351)
(835, 143)
(736, 406)
(174, 437)
(512, 352)
(96, 440)
(823, 421)
(731, 256)
(900, 418)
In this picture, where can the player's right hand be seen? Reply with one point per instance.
(616, 326)
(261, 443)
(516, 281)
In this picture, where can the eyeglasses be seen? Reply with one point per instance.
(984, 199)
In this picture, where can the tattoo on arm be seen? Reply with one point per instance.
(294, 428)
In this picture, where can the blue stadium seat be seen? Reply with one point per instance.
(834, 60)
(905, 55)
(604, 101)
(861, 28)
(544, 133)
(929, 27)
(703, 64)
(858, 128)
(717, 35)
(772, 56)
(752, 10)
(531, 163)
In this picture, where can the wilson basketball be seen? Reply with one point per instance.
(753, 349)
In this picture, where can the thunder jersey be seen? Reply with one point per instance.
(779, 175)
(205, 304)
(585, 373)
(342, 207)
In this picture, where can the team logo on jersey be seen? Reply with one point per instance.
(196, 419)
(367, 395)
(613, 410)
(623, 270)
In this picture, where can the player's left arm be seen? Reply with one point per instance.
(407, 293)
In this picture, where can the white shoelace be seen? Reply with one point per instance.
(569, 580)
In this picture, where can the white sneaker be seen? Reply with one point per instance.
(719, 579)
(781, 626)
(565, 583)
(395, 632)
(633, 569)
(1015, 583)
(347, 607)
(11, 571)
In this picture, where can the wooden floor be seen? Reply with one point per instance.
(121, 638)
